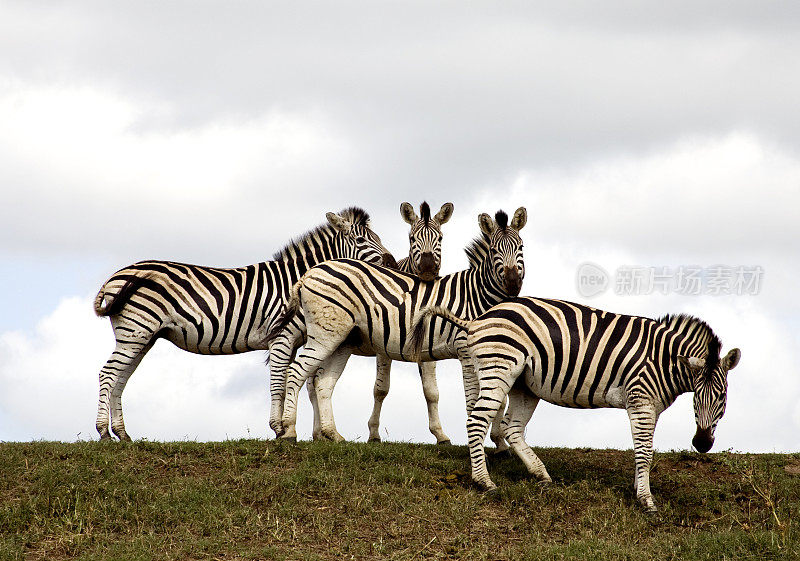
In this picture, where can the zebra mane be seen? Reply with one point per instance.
(299, 246)
(477, 251)
(425, 212)
(684, 323)
(502, 219)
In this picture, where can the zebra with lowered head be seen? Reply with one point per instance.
(209, 310)
(424, 259)
(348, 307)
(576, 356)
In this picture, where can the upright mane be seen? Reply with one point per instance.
(477, 251)
(425, 212)
(502, 219)
(299, 245)
(684, 323)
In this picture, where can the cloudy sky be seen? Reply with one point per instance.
(639, 137)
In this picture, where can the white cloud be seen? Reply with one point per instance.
(652, 139)
(83, 153)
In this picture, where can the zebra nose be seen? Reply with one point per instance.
(703, 440)
(427, 267)
(512, 281)
(388, 261)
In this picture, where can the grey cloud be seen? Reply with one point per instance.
(435, 96)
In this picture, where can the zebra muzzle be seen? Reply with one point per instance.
(427, 267)
(703, 440)
(512, 281)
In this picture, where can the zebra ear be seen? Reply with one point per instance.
(341, 224)
(732, 359)
(445, 213)
(487, 224)
(408, 214)
(692, 362)
(520, 218)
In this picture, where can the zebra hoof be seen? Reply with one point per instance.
(444, 443)
(292, 439)
(125, 438)
(374, 439)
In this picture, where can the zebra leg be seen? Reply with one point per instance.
(498, 429)
(471, 383)
(113, 376)
(281, 354)
(492, 394)
(427, 372)
(311, 388)
(383, 368)
(325, 382)
(521, 405)
(320, 344)
(642, 415)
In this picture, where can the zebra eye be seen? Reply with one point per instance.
(360, 239)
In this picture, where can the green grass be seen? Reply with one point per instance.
(273, 500)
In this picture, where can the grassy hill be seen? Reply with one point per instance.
(273, 500)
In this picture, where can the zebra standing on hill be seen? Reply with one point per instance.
(349, 307)
(210, 310)
(577, 356)
(424, 260)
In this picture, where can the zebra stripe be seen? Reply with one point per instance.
(209, 310)
(349, 307)
(576, 356)
(424, 259)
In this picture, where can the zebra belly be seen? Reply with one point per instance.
(543, 387)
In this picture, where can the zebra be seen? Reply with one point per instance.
(424, 260)
(577, 356)
(209, 310)
(355, 308)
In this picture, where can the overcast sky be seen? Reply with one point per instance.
(637, 135)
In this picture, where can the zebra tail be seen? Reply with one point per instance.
(287, 314)
(418, 331)
(107, 303)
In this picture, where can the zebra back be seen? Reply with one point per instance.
(218, 310)
(580, 354)
(385, 301)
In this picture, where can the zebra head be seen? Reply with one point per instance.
(505, 248)
(355, 239)
(425, 238)
(710, 376)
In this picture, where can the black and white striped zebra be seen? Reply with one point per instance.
(576, 356)
(424, 260)
(209, 310)
(356, 308)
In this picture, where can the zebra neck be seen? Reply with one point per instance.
(477, 290)
(404, 265)
(675, 343)
(488, 291)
